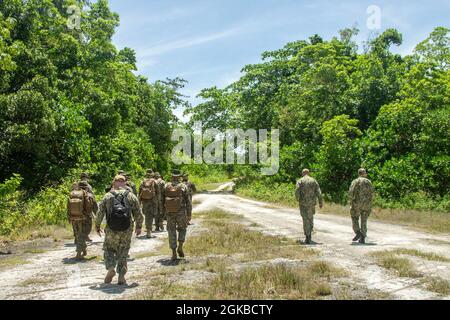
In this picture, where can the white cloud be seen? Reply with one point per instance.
(186, 43)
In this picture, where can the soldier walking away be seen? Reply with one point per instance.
(191, 191)
(307, 192)
(78, 207)
(130, 183)
(161, 212)
(84, 184)
(121, 208)
(176, 199)
(360, 194)
(148, 197)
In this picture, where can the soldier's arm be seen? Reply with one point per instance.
(194, 188)
(136, 211)
(319, 194)
(185, 195)
(68, 210)
(297, 191)
(351, 191)
(372, 191)
(101, 213)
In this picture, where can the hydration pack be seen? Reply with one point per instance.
(173, 198)
(119, 219)
(148, 190)
(77, 205)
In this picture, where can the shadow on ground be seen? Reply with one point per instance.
(114, 288)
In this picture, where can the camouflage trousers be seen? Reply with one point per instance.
(356, 214)
(307, 213)
(115, 249)
(87, 227)
(159, 221)
(189, 208)
(150, 211)
(79, 231)
(176, 223)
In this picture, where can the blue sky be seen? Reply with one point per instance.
(207, 42)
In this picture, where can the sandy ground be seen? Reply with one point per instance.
(55, 275)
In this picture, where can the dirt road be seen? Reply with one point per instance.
(54, 275)
(333, 235)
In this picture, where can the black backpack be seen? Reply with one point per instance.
(120, 217)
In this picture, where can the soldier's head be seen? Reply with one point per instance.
(84, 176)
(119, 181)
(148, 173)
(83, 185)
(185, 177)
(75, 186)
(362, 173)
(157, 175)
(305, 172)
(176, 175)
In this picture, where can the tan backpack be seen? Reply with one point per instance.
(148, 190)
(77, 205)
(173, 198)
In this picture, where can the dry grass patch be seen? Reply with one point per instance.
(402, 266)
(268, 282)
(9, 262)
(438, 285)
(420, 254)
(227, 238)
(265, 282)
(36, 282)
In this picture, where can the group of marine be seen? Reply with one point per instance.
(124, 207)
(159, 201)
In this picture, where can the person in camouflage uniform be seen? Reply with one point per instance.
(191, 191)
(130, 184)
(307, 191)
(176, 222)
(161, 212)
(117, 243)
(149, 207)
(360, 195)
(84, 184)
(78, 227)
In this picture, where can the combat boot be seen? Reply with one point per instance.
(79, 257)
(149, 234)
(308, 240)
(174, 255)
(180, 249)
(357, 237)
(110, 275)
(121, 281)
(362, 240)
(84, 253)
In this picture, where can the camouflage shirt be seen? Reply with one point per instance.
(190, 187)
(106, 205)
(361, 193)
(307, 191)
